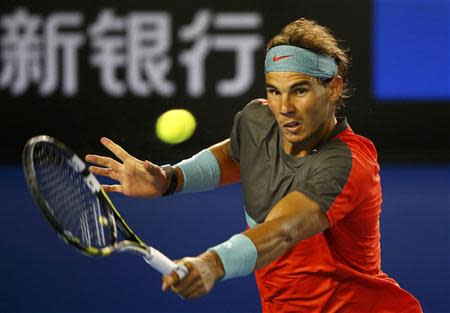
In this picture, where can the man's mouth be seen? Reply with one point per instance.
(292, 127)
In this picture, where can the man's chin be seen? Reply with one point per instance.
(298, 141)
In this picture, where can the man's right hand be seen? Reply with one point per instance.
(136, 178)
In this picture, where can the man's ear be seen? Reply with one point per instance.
(336, 85)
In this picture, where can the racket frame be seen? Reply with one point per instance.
(131, 242)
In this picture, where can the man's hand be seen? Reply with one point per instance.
(137, 178)
(204, 271)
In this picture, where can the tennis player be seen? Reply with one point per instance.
(311, 189)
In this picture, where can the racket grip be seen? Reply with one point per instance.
(163, 264)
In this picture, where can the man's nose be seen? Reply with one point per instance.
(287, 106)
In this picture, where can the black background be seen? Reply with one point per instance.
(403, 131)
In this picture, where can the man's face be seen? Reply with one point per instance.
(303, 108)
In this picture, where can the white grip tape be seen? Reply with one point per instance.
(163, 264)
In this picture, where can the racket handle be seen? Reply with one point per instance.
(163, 264)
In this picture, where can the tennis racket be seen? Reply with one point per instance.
(77, 207)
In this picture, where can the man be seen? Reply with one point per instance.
(311, 190)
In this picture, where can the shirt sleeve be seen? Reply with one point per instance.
(249, 124)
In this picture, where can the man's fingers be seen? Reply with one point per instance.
(170, 280)
(107, 172)
(195, 288)
(164, 286)
(196, 283)
(115, 148)
(113, 188)
(196, 294)
(189, 282)
(103, 161)
(173, 280)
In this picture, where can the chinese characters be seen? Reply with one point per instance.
(132, 53)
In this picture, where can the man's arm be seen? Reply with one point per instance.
(292, 219)
(137, 178)
(229, 169)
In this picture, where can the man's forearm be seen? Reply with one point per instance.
(229, 169)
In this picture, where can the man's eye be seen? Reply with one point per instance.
(301, 91)
(273, 91)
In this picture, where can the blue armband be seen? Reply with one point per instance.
(238, 255)
(201, 172)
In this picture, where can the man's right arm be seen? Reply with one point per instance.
(229, 169)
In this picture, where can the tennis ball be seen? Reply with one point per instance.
(175, 126)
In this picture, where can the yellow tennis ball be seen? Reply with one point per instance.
(175, 126)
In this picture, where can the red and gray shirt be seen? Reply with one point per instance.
(335, 271)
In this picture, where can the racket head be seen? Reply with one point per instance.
(72, 200)
(69, 196)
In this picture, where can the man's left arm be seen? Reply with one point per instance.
(294, 218)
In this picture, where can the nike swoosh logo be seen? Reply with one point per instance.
(276, 59)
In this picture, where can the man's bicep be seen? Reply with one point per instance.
(229, 169)
(301, 211)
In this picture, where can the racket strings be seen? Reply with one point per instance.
(74, 206)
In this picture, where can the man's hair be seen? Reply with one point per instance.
(308, 34)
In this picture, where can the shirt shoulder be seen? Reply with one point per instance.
(250, 126)
(255, 121)
(363, 153)
(257, 111)
(348, 148)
